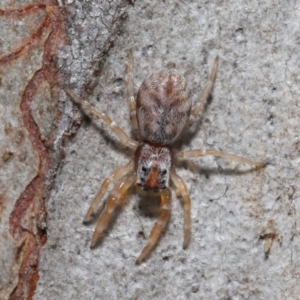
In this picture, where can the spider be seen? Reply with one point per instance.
(160, 113)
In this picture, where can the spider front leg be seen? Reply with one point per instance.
(132, 103)
(183, 190)
(115, 175)
(112, 202)
(115, 128)
(206, 92)
(159, 225)
(196, 153)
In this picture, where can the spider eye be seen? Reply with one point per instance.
(163, 171)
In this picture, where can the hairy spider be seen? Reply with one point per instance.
(159, 114)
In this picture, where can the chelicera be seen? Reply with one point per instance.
(160, 113)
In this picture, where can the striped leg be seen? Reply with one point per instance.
(132, 104)
(198, 152)
(183, 190)
(115, 175)
(207, 91)
(159, 225)
(115, 128)
(112, 202)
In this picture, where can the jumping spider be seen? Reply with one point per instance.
(160, 114)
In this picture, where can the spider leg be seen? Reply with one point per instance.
(132, 103)
(115, 128)
(206, 92)
(112, 202)
(183, 190)
(196, 153)
(115, 175)
(159, 225)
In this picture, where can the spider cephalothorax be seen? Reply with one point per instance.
(153, 165)
(159, 115)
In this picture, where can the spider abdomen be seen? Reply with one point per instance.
(163, 107)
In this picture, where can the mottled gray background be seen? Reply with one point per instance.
(236, 211)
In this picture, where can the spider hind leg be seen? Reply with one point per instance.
(207, 90)
(130, 91)
(125, 140)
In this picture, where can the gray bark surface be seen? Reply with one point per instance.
(245, 230)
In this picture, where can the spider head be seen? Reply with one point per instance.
(153, 164)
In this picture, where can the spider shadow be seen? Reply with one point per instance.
(149, 206)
